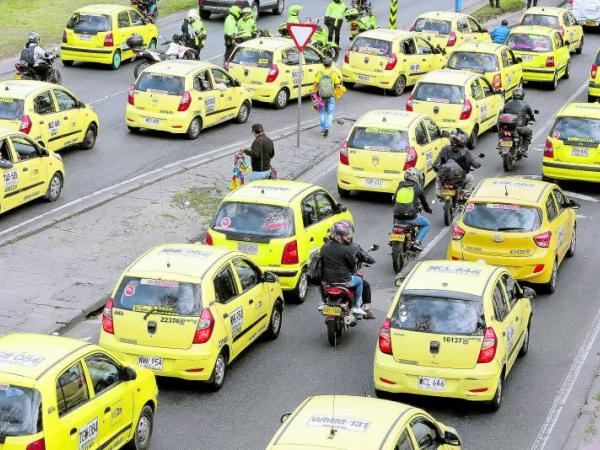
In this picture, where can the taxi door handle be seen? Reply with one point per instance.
(65, 118)
(41, 122)
(222, 95)
(225, 316)
(73, 431)
(25, 169)
(517, 318)
(504, 333)
(312, 239)
(107, 410)
(250, 302)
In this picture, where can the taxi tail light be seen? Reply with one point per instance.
(130, 98)
(185, 102)
(290, 253)
(466, 111)
(538, 268)
(594, 70)
(488, 347)
(550, 61)
(409, 103)
(40, 444)
(457, 233)
(411, 158)
(347, 57)
(273, 73)
(543, 240)
(392, 61)
(410, 28)
(548, 149)
(385, 337)
(26, 125)
(208, 240)
(497, 81)
(108, 40)
(107, 317)
(397, 230)
(451, 39)
(206, 324)
(344, 154)
(64, 37)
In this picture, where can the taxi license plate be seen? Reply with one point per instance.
(526, 58)
(397, 237)
(364, 78)
(432, 384)
(251, 249)
(332, 311)
(505, 143)
(85, 37)
(580, 151)
(373, 182)
(448, 192)
(149, 362)
(152, 121)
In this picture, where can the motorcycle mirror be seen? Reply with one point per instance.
(374, 247)
(481, 155)
(536, 111)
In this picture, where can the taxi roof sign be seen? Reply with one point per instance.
(301, 33)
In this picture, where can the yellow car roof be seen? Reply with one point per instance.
(363, 423)
(386, 34)
(280, 192)
(448, 76)
(533, 29)
(22, 89)
(181, 67)
(479, 47)
(545, 10)
(31, 355)
(102, 9)
(516, 190)
(388, 118)
(455, 276)
(444, 15)
(267, 43)
(590, 110)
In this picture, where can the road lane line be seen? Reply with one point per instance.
(214, 57)
(584, 197)
(106, 97)
(567, 385)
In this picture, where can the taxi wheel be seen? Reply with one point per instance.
(254, 8)
(344, 193)
(116, 60)
(217, 379)
(54, 188)
(494, 404)
(275, 323)
(143, 430)
(282, 98)
(298, 294)
(194, 128)
(567, 72)
(89, 139)
(573, 246)
(243, 113)
(550, 286)
(580, 48)
(133, 129)
(67, 62)
(384, 395)
(399, 86)
(152, 43)
(472, 142)
(349, 84)
(525, 347)
(554, 82)
(591, 99)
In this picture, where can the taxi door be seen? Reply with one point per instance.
(513, 71)
(290, 60)
(434, 58)
(517, 316)
(47, 121)
(70, 126)
(310, 236)
(123, 31)
(503, 324)
(562, 222)
(562, 55)
(313, 65)
(327, 212)
(31, 168)
(490, 106)
(463, 32)
(414, 64)
(573, 31)
(433, 148)
(568, 218)
(477, 32)
(208, 96)
(225, 100)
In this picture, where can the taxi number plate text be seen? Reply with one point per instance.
(432, 384)
(397, 237)
(363, 78)
(526, 57)
(590, 23)
(150, 362)
(580, 151)
(152, 121)
(251, 249)
(332, 311)
(373, 182)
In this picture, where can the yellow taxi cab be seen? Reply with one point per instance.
(98, 34)
(27, 171)
(359, 423)
(454, 329)
(449, 29)
(572, 150)
(558, 18)
(50, 114)
(389, 59)
(458, 99)
(594, 82)
(269, 68)
(496, 62)
(525, 225)
(68, 394)
(182, 96)
(384, 143)
(278, 224)
(544, 53)
(188, 310)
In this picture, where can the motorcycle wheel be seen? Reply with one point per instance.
(189, 55)
(448, 212)
(139, 67)
(507, 162)
(397, 257)
(332, 335)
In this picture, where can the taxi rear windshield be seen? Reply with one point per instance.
(20, 411)
(252, 219)
(252, 57)
(577, 130)
(378, 139)
(502, 217)
(11, 108)
(439, 93)
(478, 62)
(432, 26)
(159, 296)
(440, 315)
(529, 42)
(371, 46)
(160, 84)
(540, 19)
(89, 23)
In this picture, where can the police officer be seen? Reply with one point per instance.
(334, 16)
(230, 30)
(246, 26)
(194, 31)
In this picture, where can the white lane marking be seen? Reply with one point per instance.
(581, 216)
(106, 97)
(587, 198)
(438, 237)
(215, 57)
(567, 385)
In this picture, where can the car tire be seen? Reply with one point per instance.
(194, 128)
(525, 346)
(298, 294)
(278, 10)
(384, 395)
(344, 193)
(349, 85)
(550, 286)
(548, 179)
(116, 60)
(567, 72)
(472, 141)
(554, 83)
(573, 246)
(143, 430)
(67, 62)
(55, 76)
(89, 138)
(133, 130)
(139, 67)
(244, 112)
(591, 99)
(275, 322)
(54, 188)
(217, 379)
(281, 99)
(204, 14)
(255, 11)
(579, 49)
(495, 403)
(399, 86)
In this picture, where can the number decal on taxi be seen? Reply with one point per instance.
(88, 434)
(237, 319)
(483, 111)
(414, 68)
(54, 126)
(11, 179)
(429, 159)
(509, 337)
(209, 104)
(297, 77)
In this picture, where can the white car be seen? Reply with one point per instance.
(586, 12)
(208, 7)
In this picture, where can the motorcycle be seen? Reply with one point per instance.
(142, 8)
(337, 308)
(175, 50)
(454, 199)
(360, 19)
(401, 240)
(510, 142)
(258, 33)
(26, 72)
(320, 40)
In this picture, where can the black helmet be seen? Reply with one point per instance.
(33, 38)
(458, 138)
(413, 175)
(518, 94)
(327, 62)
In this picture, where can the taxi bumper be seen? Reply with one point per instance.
(531, 74)
(383, 80)
(171, 123)
(97, 55)
(594, 89)
(566, 171)
(351, 179)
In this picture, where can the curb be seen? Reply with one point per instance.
(587, 415)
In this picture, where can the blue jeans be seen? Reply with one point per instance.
(326, 113)
(260, 175)
(423, 223)
(357, 283)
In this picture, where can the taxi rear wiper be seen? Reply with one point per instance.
(510, 229)
(152, 310)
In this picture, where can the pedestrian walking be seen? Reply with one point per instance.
(325, 85)
(261, 153)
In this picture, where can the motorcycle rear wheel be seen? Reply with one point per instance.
(332, 333)
(448, 212)
(397, 257)
(507, 162)
(139, 67)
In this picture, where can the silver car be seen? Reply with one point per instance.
(208, 7)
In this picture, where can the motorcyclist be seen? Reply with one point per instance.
(230, 30)
(406, 205)
(334, 16)
(246, 26)
(457, 152)
(148, 6)
(519, 107)
(194, 31)
(35, 56)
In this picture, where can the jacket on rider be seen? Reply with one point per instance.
(521, 109)
(407, 207)
(338, 262)
(196, 29)
(461, 155)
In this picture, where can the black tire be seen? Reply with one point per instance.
(298, 294)
(448, 212)
(143, 430)
(580, 48)
(67, 62)
(384, 395)
(548, 179)
(472, 141)
(278, 10)
(244, 112)
(89, 138)
(344, 193)
(399, 86)
(495, 403)
(349, 84)
(275, 322)
(255, 11)
(573, 246)
(281, 99)
(525, 346)
(591, 99)
(54, 188)
(133, 130)
(204, 14)
(397, 257)
(55, 76)
(567, 72)
(332, 336)
(116, 60)
(139, 67)
(194, 128)
(554, 83)
(507, 162)
(550, 286)
(217, 378)
(332, 52)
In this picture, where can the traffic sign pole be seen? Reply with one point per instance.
(300, 79)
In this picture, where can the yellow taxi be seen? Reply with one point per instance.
(278, 224)
(572, 149)
(269, 68)
(27, 171)
(449, 29)
(188, 310)
(558, 18)
(183, 96)
(50, 114)
(98, 34)
(359, 423)
(458, 99)
(454, 329)
(544, 53)
(525, 225)
(389, 59)
(384, 143)
(68, 394)
(496, 62)
(594, 82)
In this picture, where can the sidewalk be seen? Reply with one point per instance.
(61, 274)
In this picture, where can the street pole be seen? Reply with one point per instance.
(300, 56)
(394, 13)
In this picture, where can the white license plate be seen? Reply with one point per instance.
(526, 58)
(251, 249)
(432, 384)
(373, 182)
(152, 121)
(150, 362)
(85, 37)
(580, 151)
(364, 78)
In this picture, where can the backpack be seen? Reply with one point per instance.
(451, 172)
(405, 201)
(326, 86)
(28, 55)
(315, 267)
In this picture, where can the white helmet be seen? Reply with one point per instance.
(193, 15)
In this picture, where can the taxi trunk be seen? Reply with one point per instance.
(86, 30)
(11, 113)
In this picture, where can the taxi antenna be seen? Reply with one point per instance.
(505, 190)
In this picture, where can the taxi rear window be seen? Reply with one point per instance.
(254, 220)
(89, 23)
(371, 46)
(577, 130)
(20, 411)
(540, 19)
(160, 84)
(378, 139)
(439, 93)
(10, 108)
(252, 57)
(502, 217)
(159, 296)
(529, 42)
(432, 26)
(478, 62)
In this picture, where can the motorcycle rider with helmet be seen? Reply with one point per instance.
(194, 31)
(406, 205)
(456, 151)
(35, 56)
(230, 30)
(520, 108)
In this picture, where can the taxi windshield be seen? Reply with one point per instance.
(159, 296)
(20, 411)
(439, 93)
(529, 42)
(437, 314)
(432, 26)
(371, 46)
(479, 62)
(160, 84)
(540, 19)
(11, 108)
(378, 139)
(89, 23)
(252, 219)
(252, 57)
(577, 130)
(502, 217)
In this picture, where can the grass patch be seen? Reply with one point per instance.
(486, 13)
(203, 200)
(19, 17)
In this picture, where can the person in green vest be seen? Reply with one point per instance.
(406, 205)
(246, 26)
(194, 31)
(334, 17)
(230, 30)
(294, 13)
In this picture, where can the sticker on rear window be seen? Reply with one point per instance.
(4, 386)
(444, 268)
(339, 423)
(129, 290)
(20, 359)
(580, 139)
(503, 206)
(556, 134)
(6, 100)
(263, 60)
(383, 131)
(276, 221)
(470, 207)
(161, 283)
(154, 309)
(225, 222)
(437, 100)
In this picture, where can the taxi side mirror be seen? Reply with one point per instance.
(529, 293)
(567, 42)
(573, 204)
(128, 374)
(499, 91)
(451, 437)
(518, 60)
(445, 134)
(484, 30)
(269, 277)
(341, 208)
(236, 82)
(6, 164)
